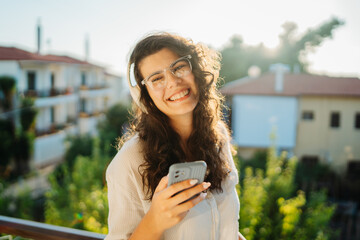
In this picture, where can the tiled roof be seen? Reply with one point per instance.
(11, 53)
(294, 85)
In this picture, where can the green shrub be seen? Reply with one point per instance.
(273, 208)
(113, 127)
(80, 200)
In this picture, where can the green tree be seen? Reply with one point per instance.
(16, 144)
(7, 140)
(7, 126)
(113, 127)
(80, 199)
(293, 47)
(237, 57)
(25, 137)
(7, 89)
(272, 208)
(20, 206)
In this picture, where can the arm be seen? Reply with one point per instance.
(167, 210)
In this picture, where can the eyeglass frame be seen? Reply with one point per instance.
(187, 57)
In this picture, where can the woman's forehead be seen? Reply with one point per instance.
(157, 61)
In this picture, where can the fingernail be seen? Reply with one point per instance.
(193, 181)
(206, 185)
(203, 195)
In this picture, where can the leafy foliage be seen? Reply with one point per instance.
(80, 200)
(81, 145)
(27, 114)
(237, 57)
(7, 133)
(78, 196)
(272, 209)
(7, 88)
(113, 127)
(17, 144)
(21, 206)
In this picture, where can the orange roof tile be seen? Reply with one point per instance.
(11, 53)
(294, 85)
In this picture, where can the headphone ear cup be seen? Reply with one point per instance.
(134, 87)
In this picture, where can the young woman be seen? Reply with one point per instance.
(178, 119)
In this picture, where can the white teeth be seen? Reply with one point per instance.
(180, 95)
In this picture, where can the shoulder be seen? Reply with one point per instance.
(128, 159)
(224, 130)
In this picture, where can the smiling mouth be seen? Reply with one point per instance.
(179, 95)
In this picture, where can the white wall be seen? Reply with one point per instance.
(255, 117)
(51, 147)
(10, 68)
(120, 92)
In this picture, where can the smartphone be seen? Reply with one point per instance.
(189, 170)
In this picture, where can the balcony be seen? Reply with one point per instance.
(55, 128)
(88, 122)
(51, 97)
(53, 92)
(37, 231)
(49, 145)
(95, 91)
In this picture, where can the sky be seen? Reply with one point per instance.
(114, 26)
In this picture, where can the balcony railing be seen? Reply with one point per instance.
(95, 87)
(54, 128)
(48, 93)
(36, 230)
(90, 114)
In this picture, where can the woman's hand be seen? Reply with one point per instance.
(166, 209)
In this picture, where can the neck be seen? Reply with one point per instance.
(183, 125)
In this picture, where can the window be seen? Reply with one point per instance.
(52, 114)
(335, 120)
(83, 78)
(52, 80)
(357, 120)
(31, 80)
(308, 115)
(82, 105)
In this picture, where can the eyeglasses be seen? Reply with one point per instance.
(179, 68)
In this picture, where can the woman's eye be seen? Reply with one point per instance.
(177, 68)
(155, 79)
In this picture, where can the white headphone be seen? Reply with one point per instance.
(134, 87)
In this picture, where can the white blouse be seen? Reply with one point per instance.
(214, 218)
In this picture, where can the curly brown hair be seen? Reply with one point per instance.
(160, 142)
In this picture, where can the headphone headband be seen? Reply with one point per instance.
(134, 87)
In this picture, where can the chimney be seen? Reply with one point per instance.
(38, 36)
(279, 69)
(87, 47)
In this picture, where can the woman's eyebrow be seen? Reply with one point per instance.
(175, 62)
(161, 71)
(154, 73)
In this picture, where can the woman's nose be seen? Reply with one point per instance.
(171, 79)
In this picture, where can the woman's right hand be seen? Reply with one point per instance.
(166, 209)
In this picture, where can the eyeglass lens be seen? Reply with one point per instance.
(179, 69)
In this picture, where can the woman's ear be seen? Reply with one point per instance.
(134, 87)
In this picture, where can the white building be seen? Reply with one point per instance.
(317, 118)
(71, 96)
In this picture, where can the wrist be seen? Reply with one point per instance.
(147, 229)
(153, 226)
